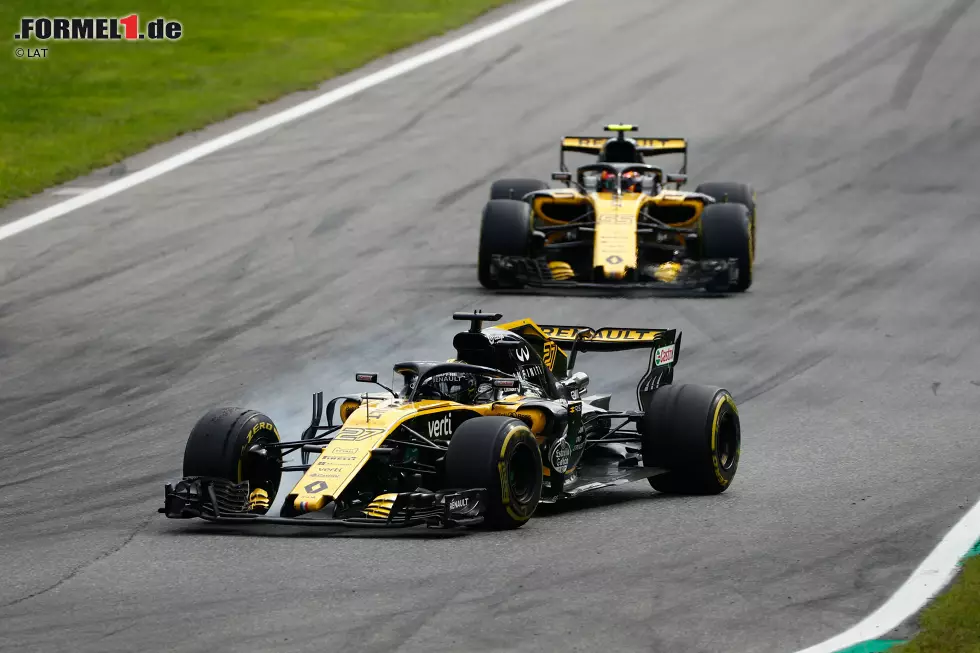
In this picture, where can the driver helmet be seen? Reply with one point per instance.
(607, 181)
(450, 386)
(632, 181)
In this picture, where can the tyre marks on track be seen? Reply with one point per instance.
(933, 38)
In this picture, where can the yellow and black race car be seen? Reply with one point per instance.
(615, 223)
(482, 438)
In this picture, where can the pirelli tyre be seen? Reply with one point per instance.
(502, 455)
(505, 230)
(725, 233)
(730, 191)
(219, 446)
(694, 432)
(515, 189)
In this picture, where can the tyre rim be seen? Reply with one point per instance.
(727, 444)
(260, 472)
(520, 474)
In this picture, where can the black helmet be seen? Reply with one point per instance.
(502, 350)
(460, 387)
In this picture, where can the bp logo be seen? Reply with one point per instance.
(550, 354)
(560, 454)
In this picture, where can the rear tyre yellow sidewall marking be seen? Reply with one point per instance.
(715, 461)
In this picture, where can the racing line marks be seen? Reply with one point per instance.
(283, 117)
(832, 83)
(866, 44)
(933, 38)
(459, 193)
(414, 120)
(82, 567)
(935, 572)
(782, 376)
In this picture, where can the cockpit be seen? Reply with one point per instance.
(458, 382)
(481, 358)
(620, 178)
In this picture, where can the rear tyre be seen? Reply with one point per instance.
(693, 431)
(504, 231)
(515, 189)
(726, 233)
(730, 191)
(218, 447)
(502, 455)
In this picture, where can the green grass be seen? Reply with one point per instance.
(951, 624)
(90, 104)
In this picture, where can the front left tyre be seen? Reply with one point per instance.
(220, 444)
(500, 454)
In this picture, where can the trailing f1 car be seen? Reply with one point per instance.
(483, 438)
(615, 222)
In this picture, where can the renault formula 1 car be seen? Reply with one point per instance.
(484, 437)
(615, 223)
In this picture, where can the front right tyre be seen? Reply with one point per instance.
(505, 230)
(515, 189)
(219, 447)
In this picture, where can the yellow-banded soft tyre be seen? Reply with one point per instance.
(220, 446)
(694, 432)
(500, 454)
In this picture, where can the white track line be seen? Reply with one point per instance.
(283, 117)
(935, 572)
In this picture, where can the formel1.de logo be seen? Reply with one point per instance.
(127, 28)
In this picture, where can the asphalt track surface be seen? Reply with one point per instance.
(344, 241)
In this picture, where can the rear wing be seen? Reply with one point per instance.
(559, 344)
(664, 346)
(646, 146)
(583, 338)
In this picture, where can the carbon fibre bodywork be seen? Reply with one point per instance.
(614, 223)
(382, 463)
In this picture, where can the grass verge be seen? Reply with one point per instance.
(951, 623)
(90, 104)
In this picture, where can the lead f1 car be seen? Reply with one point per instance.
(615, 223)
(485, 437)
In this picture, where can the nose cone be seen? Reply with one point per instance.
(615, 238)
(614, 272)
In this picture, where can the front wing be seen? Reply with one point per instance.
(221, 501)
(535, 273)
